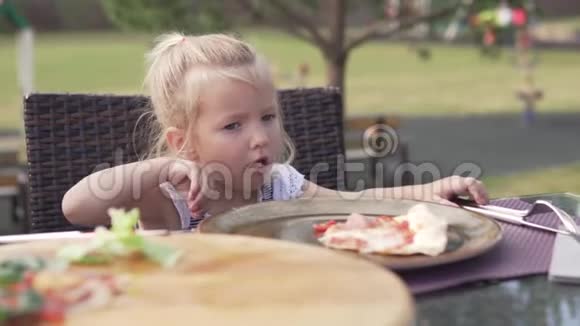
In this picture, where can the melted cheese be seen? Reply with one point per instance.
(367, 235)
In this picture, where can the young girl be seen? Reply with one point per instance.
(220, 144)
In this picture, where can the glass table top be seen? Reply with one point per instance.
(525, 301)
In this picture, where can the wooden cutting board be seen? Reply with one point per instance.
(235, 280)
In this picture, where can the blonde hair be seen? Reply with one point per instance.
(179, 67)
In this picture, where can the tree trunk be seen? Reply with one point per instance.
(335, 55)
(336, 70)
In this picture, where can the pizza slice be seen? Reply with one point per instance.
(32, 292)
(36, 290)
(417, 232)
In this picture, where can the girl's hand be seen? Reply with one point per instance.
(446, 189)
(186, 177)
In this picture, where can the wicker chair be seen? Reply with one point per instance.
(68, 136)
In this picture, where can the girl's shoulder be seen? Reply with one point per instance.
(285, 182)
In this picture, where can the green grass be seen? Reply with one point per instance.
(386, 77)
(73, 63)
(558, 179)
(382, 77)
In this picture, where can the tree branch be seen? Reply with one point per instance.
(380, 29)
(284, 25)
(299, 16)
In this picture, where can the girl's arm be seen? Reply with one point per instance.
(129, 185)
(440, 191)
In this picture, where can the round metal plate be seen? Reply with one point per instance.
(469, 234)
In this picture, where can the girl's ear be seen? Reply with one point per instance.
(177, 141)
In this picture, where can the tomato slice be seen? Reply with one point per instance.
(404, 225)
(53, 310)
(322, 227)
(28, 278)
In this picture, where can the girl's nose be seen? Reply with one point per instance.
(259, 137)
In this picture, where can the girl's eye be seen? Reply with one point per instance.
(268, 117)
(232, 126)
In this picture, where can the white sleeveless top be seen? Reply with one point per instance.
(285, 184)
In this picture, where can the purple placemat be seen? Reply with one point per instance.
(522, 251)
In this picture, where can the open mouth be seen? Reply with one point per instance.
(261, 162)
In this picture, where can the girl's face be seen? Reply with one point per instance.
(238, 130)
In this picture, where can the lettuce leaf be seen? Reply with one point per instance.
(120, 241)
